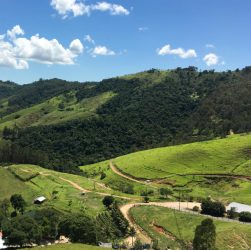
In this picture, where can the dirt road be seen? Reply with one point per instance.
(141, 234)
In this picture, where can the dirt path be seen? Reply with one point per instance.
(141, 234)
(156, 181)
(118, 172)
(181, 206)
(76, 186)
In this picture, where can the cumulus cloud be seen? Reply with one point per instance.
(16, 51)
(166, 50)
(102, 51)
(15, 31)
(211, 59)
(76, 47)
(80, 8)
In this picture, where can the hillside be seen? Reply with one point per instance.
(172, 228)
(74, 124)
(218, 168)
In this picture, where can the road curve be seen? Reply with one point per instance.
(141, 234)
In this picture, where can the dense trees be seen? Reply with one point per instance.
(205, 236)
(216, 208)
(18, 203)
(245, 216)
(79, 228)
(151, 109)
(22, 228)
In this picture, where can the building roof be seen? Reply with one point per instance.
(239, 207)
(40, 199)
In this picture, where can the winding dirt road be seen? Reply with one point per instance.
(141, 234)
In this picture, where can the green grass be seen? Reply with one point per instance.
(67, 247)
(182, 226)
(224, 156)
(114, 181)
(49, 112)
(59, 193)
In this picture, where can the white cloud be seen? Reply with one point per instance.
(211, 59)
(79, 8)
(142, 29)
(210, 46)
(89, 39)
(114, 9)
(17, 52)
(64, 7)
(76, 47)
(102, 51)
(166, 50)
(16, 30)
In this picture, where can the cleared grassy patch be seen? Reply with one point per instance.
(56, 110)
(223, 156)
(59, 193)
(177, 226)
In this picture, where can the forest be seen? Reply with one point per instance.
(149, 109)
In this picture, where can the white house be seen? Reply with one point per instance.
(239, 207)
(39, 200)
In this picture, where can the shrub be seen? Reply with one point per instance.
(108, 200)
(216, 209)
(232, 214)
(102, 176)
(245, 217)
(196, 209)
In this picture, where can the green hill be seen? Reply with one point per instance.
(218, 168)
(169, 228)
(75, 123)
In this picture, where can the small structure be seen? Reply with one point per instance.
(39, 200)
(239, 207)
(106, 245)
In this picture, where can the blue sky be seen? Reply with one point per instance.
(92, 40)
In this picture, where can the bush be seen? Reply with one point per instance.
(196, 209)
(216, 209)
(245, 217)
(232, 214)
(108, 200)
(102, 176)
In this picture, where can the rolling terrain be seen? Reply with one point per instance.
(76, 124)
(182, 130)
(218, 168)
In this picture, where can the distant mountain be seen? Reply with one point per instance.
(78, 123)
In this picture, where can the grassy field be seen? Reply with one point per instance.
(168, 227)
(229, 155)
(180, 167)
(67, 247)
(59, 193)
(50, 111)
(117, 183)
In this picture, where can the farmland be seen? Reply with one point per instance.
(170, 228)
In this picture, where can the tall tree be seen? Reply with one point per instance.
(18, 203)
(205, 236)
